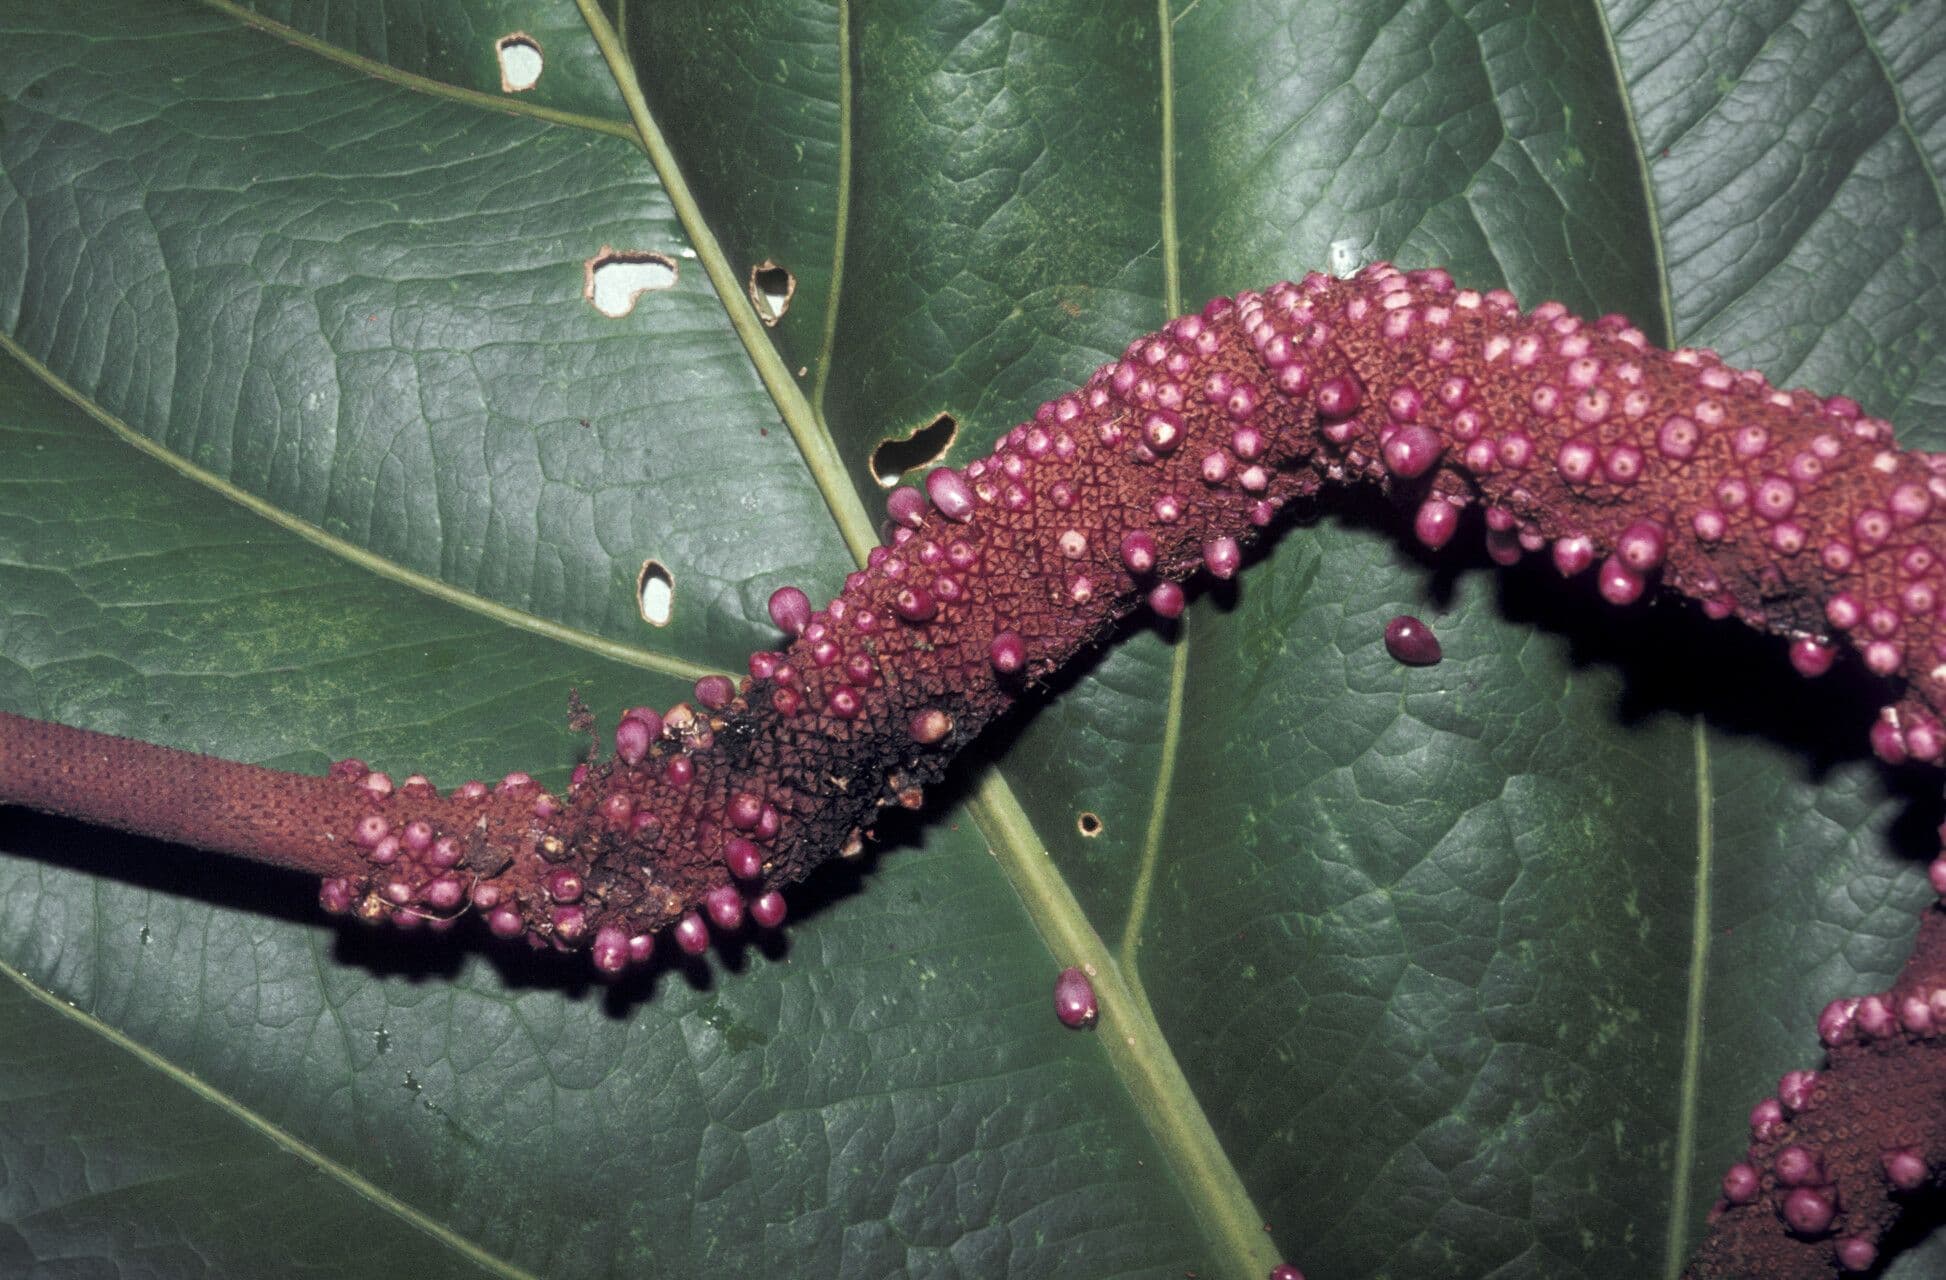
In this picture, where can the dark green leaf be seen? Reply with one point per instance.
(1471, 969)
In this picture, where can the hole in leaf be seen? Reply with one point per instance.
(655, 593)
(1349, 256)
(1088, 824)
(922, 447)
(614, 279)
(771, 288)
(520, 62)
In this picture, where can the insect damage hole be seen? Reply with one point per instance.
(655, 593)
(613, 279)
(771, 290)
(1088, 824)
(520, 61)
(921, 447)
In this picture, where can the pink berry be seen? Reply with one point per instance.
(1837, 1021)
(1641, 546)
(929, 726)
(445, 893)
(1855, 1253)
(914, 604)
(618, 809)
(1905, 1169)
(1741, 1184)
(1435, 522)
(1339, 397)
(745, 810)
(790, 609)
(767, 909)
(632, 740)
(1797, 1167)
(1874, 1017)
(335, 896)
(725, 907)
(1074, 999)
(692, 935)
(1412, 451)
(950, 493)
(1809, 1212)
(1767, 1120)
(1008, 653)
(1412, 642)
(1573, 555)
(906, 506)
(1795, 1088)
(609, 951)
(1620, 584)
(1811, 656)
(715, 692)
(1223, 557)
(743, 858)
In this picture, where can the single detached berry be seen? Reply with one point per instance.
(1412, 642)
(1074, 999)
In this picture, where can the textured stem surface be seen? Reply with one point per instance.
(1836, 1154)
(283, 819)
(1792, 512)
(1657, 470)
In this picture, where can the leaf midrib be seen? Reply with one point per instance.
(278, 1136)
(1884, 69)
(348, 551)
(412, 80)
(1688, 1089)
(1136, 1047)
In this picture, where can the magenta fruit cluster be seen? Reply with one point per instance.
(1654, 471)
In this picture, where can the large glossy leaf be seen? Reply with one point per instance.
(313, 446)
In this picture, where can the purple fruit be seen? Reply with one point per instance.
(767, 909)
(1074, 999)
(1809, 1211)
(725, 907)
(632, 738)
(610, 950)
(790, 609)
(743, 858)
(1412, 642)
(692, 935)
(1741, 1184)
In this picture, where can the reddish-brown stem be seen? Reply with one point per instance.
(284, 819)
(288, 820)
(1880, 1100)
(1654, 470)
